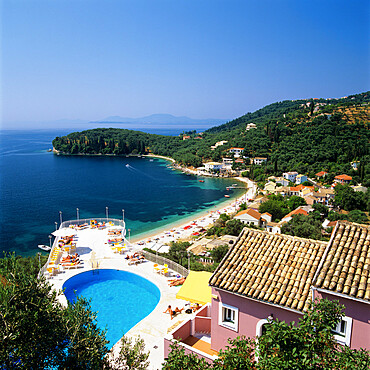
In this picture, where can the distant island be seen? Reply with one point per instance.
(164, 119)
(307, 135)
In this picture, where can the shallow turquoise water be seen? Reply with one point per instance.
(121, 299)
(35, 185)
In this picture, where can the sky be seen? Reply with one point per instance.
(90, 59)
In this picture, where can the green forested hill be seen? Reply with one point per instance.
(303, 135)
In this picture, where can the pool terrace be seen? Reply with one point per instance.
(94, 252)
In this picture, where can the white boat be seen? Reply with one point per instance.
(45, 248)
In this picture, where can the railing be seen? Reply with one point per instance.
(162, 260)
(81, 221)
(116, 222)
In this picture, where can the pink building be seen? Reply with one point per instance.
(268, 275)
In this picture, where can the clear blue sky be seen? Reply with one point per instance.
(89, 59)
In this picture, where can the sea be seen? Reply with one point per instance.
(38, 189)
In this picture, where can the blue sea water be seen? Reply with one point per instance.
(36, 184)
(121, 299)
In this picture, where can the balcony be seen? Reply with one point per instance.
(194, 335)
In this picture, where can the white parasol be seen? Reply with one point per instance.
(64, 232)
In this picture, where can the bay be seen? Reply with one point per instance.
(36, 184)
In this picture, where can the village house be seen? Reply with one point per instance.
(342, 179)
(213, 166)
(321, 174)
(250, 126)
(300, 179)
(300, 190)
(267, 276)
(185, 137)
(219, 143)
(252, 217)
(259, 160)
(302, 210)
(359, 188)
(227, 162)
(290, 176)
(355, 165)
(279, 180)
(236, 151)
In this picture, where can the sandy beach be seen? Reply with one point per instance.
(159, 240)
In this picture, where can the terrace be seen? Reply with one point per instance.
(194, 335)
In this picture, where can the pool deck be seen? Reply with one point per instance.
(152, 328)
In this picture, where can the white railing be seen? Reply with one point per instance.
(82, 221)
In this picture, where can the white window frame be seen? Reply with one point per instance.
(227, 324)
(343, 337)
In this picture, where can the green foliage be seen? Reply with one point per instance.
(37, 331)
(358, 216)
(287, 134)
(132, 356)
(238, 355)
(321, 208)
(177, 251)
(178, 360)
(303, 226)
(219, 253)
(294, 202)
(348, 199)
(276, 206)
(233, 227)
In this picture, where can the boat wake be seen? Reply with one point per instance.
(135, 170)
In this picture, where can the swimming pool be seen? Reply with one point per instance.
(120, 298)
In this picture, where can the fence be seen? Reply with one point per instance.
(81, 221)
(162, 260)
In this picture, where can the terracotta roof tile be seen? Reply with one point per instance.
(297, 211)
(270, 267)
(343, 177)
(251, 212)
(346, 268)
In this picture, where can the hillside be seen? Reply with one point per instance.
(303, 135)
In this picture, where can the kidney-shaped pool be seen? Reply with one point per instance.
(120, 298)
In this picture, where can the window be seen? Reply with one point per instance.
(228, 316)
(342, 331)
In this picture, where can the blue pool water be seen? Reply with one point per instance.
(120, 298)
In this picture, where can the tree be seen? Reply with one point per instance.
(37, 331)
(303, 226)
(295, 202)
(178, 360)
(238, 355)
(275, 207)
(233, 227)
(348, 199)
(219, 253)
(132, 356)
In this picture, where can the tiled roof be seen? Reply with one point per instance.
(297, 211)
(346, 268)
(269, 267)
(343, 177)
(321, 173)
(301, 187)
(251, 212)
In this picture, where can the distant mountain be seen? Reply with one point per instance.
(167, 119)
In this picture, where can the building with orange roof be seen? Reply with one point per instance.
(321, 174)
(343, 179)
(251, 217)
(303, 210)
(236, 151)
(300, 190)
